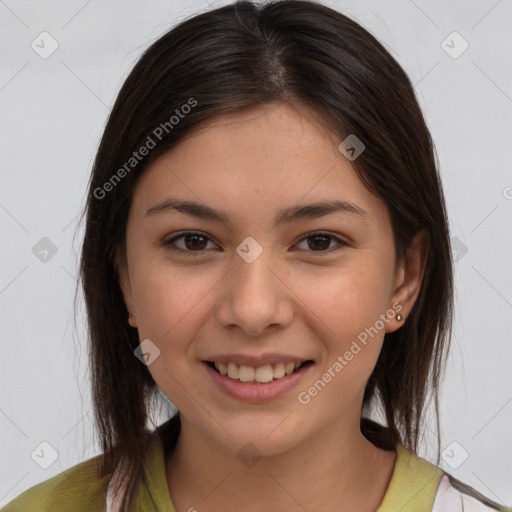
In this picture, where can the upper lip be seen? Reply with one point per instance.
(261, 360)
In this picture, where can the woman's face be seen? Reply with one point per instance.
(255, 290)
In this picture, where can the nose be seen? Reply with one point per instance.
(255, 297)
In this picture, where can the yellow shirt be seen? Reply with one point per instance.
(412, 488)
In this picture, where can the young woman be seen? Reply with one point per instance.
(267, 245)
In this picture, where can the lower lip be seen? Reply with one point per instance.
(257, 391)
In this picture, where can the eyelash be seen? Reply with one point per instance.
(341, 243)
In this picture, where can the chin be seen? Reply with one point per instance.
(257, 436)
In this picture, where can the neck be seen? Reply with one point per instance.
(337, 471)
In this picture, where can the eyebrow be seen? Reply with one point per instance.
(284, 216)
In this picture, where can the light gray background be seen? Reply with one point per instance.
(52, 114)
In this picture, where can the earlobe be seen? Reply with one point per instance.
(125, 285)
(132, 320)
(410, 277)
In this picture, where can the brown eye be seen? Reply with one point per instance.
(189, 242)
(194, 242)
(321, 242)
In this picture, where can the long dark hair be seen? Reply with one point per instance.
(240, 56)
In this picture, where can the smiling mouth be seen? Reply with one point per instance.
(259, 374)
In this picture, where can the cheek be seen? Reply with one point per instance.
(170, 307)
(345, 309)
(171, 303)
(348, 299)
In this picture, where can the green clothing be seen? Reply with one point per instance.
(412, 488)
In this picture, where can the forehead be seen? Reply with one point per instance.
(283, 128)
(277, 154)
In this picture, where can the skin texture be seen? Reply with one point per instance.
(293, 299)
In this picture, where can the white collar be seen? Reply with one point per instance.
(449, 499)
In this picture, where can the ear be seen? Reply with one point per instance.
(125, 285)
(409, 277)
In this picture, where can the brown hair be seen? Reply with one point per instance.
(240, 56)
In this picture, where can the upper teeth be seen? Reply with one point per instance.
(259, 373)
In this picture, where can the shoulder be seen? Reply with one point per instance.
(451, 499)
(419, 486)
(413, 485)
(78, 489)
